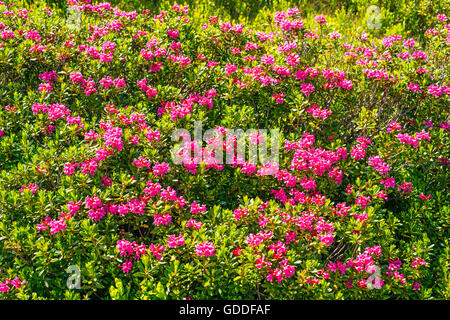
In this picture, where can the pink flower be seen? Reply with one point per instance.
(239, 213)
(358, 152)
(90, 87)
(204, 249)
(362, 201)
(91, 135)
(89, 167)
(125, 247)
(107, 182)
(267, 59)
(388, 182)
(237, 251)
(175, 241)
(248, 168)
(278, 97)
(69, 168)
(326, 239)
(173, 33)
(301, 75)
(275, 274)
(212, 63)
(418, 262)
(335, 35)
(17, 283)
(424, 197)
(414, 87)
(112, 137)
(230, 68)
(45, 87)
(4, 286)
(57, 225)
(441, 17)
(318, 112)
(126, 266)
(32, 187)
(162, 219)
(134, 139)
(73, 207)
(269, 168)
(160, 169)
(93, 202)
(194, 223)
(379, 165)
(142, 162)
(435, 90)
(195, 208)
(307, 88)
(406, 187)
(320, 19)
(130, 249)
(54, 225)
(106, 82)
(361, 217)
(254, 240)
(445, 125)
(394, 126)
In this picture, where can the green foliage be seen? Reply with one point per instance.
(273, 238)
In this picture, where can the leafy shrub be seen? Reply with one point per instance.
(356, 208)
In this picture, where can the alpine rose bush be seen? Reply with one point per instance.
(356, 207)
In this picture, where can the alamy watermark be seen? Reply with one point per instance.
(374, 20)
(221, 146)
(74, 280)
(74, 17)
(374, 281)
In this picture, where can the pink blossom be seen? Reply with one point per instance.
(267, 59)
(424, 197)
(32, 187)
(418, 262)
(362, 201)
(204, 249)
(69, 168)
(320, 19)
(175, 241)
(126, 266)
(162, 219)
(441, 17)
(278, 97)
(195, 208)
(194, 223)
(160, 169)
(173, 33)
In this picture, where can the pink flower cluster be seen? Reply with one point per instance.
(379, 165)
(130, 250)
(195, 208)
(16, 283)
(204, 249)
(59, 224)
(175, 241)
(32, 187)
(358, 151)
(284, 272)
(318, 112)
(413, 140)
(364, 262)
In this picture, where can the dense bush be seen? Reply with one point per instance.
(357, 207)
